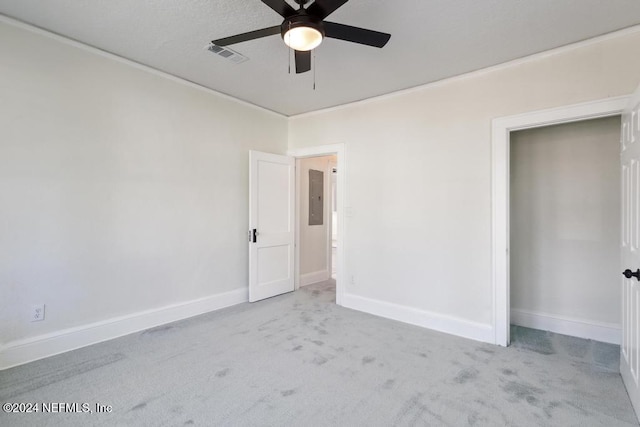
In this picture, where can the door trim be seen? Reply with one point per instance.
(326, 150)
(501, 129)
(330, 166)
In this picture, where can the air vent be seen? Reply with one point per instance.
(227, 53)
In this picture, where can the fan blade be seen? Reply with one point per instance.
(323, 8)
(281, 7)
(251, 35)
(303, 61)
(356, 34)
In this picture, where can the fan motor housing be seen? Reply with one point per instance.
(301, 20)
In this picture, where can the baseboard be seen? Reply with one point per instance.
(426, 319)
(315, 277)
(598, 331)
(23, 351)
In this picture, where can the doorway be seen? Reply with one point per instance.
(316, 187)
(337, 152)
(500, 145)
(565, 228)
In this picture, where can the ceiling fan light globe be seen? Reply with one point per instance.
(303, 38)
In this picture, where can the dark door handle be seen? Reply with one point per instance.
(255, 234)
(629, 274)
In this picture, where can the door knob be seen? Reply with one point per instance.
(629, 274)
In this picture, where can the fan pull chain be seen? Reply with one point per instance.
(314, 69)
(288, 34)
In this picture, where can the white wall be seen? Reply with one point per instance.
(565, 221)
(418, 190)
(314, 261)
(121, 190)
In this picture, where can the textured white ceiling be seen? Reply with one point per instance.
(430, 40)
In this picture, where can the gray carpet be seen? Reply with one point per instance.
(299, 359)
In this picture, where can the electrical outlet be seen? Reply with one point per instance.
(37, 312)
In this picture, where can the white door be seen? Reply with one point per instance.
(630, 159)
(271, 225)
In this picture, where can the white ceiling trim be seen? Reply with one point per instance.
(513, 63)
(62, 39)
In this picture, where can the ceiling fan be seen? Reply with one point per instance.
(303, 29)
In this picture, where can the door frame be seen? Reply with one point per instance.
(330, 166)
(501, 129)
(326, 150)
